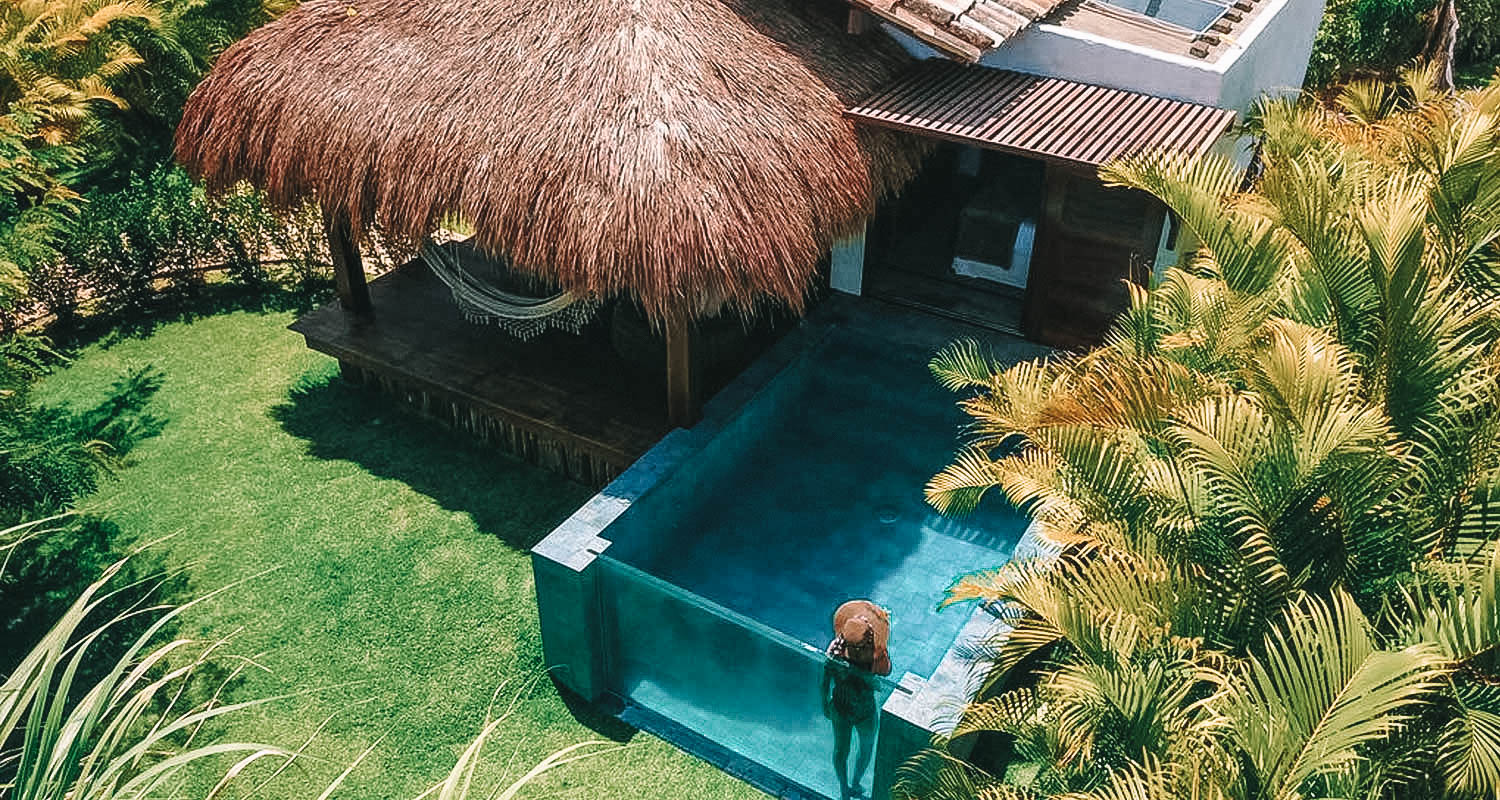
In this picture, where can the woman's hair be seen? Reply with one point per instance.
(864, 646)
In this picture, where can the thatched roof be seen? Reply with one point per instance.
(676, 150)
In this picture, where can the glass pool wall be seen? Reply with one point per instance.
(746, 687)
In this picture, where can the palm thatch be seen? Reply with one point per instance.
(690, 153)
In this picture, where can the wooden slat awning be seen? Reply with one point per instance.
(1049, 118)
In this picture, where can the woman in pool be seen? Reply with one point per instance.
(855, 656)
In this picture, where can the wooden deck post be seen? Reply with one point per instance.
(348, 270)
(682, 386)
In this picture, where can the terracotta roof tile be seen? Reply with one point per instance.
(964, 29)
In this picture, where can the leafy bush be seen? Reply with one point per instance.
(161, 231)
(1379, 36)
(1478, 30)
(124, 242)
(1360, 36)
(90, 91)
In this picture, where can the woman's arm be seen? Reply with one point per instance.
(882, 663)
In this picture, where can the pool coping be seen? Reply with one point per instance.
(923, 706)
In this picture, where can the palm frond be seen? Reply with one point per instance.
(963, 364)
(1469, 748)
(1318, 690)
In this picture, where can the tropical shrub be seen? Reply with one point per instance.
(125, 736)
(124, 243)
(1363, 36)
(159, 232)
(90, 91)
(1270, 488)
(59, 58)
(1138, 698)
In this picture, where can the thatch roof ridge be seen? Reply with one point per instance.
(671, 149)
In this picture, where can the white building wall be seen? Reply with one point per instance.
(1273, 55)
(1270, 55)
(1062, 53)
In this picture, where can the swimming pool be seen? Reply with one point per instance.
(716, 586)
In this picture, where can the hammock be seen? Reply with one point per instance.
(482, 302)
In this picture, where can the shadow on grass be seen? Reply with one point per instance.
(184, 304)
(598, 717)
(47, 572)
(505, 497)
(59, 454)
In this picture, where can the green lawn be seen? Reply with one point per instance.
(401, 579)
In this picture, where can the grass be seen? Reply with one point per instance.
(400, 578)
(1473, 76)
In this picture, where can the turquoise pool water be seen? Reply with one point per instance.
(809, 496)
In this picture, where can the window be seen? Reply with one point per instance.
(1192, 15)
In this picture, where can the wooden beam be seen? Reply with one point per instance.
(1044, 251)
(682, 385)
(860, 22)
(348, 270)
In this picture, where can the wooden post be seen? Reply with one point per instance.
(682, 388)
(859, 23)
(1035, 301)
(348, 270)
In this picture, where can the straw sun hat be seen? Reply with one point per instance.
(853, 619)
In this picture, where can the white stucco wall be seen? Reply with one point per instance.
(847, 263)
(1269, 55)
(1273, 54)
(1061, 53)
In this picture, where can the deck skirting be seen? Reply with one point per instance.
(540, 448)
(564, 402)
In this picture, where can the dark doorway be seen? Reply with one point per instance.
(959, 241)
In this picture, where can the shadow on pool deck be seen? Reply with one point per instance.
(350, 423)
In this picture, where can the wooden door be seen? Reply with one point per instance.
(1091, 240)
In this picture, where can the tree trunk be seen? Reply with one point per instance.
(1442, 39)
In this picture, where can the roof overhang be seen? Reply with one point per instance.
(1049, 118)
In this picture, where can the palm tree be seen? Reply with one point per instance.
(1327, 703)
(1312, 399)
(58, 59)
(1294, 427)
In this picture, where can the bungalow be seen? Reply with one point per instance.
(678, 166)
(1007, 225)
(613, 207)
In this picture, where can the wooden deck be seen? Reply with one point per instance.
(562, 401)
